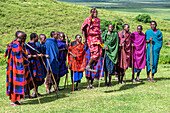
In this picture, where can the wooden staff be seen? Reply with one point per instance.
(53, 76)
(47, 71)
(66, 79)
(102, 67)
(73, 72)
(124, 63)
(36, 91)
(132, 66)
(151, 57)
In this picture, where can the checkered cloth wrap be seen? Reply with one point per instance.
(97, 66)
(35, 65)
(62, 58)
(17, 69)
(93, 36)
(127, 50)
(79, 62)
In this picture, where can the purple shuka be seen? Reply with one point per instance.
(139, 50)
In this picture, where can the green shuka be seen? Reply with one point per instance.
(111, 41)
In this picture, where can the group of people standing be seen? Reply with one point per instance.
(45, 61)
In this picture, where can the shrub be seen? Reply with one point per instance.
(145, 18)
(117, 24)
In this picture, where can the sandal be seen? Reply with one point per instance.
(139, 80)
(148, 79)
(88, 87)
(153, 80)
(92, 87)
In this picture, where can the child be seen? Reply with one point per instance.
(76, 60)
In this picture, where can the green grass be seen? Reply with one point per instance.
(45, 16)
(139, 97)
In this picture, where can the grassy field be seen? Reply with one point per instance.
(45, 16)
(156, 8)
(140, 97)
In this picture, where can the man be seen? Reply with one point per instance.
(139, 52)
(42, 49)
(154, 35)
(124, 53)
(62, 46)
(53, 52)
(35, 65)
(110, 40)
(91, 35)
(76, 60)
(17, 69)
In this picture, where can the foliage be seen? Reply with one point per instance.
(145, 18)
(116, 23)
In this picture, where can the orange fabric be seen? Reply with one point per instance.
(78, 63)
(14, 97)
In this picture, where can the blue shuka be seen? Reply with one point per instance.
(157, 41)
(42, 49)
(62, 58)
(53, 52)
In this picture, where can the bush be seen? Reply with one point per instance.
(117, 24)
(145, 18)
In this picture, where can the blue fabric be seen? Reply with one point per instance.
(97, 67)
(62, 58)
(109, 65)
(53, 52)
(157, 41)
(77, 76)
(42, 49)
(136, 70)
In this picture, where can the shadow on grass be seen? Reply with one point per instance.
(125, 87)
(46, 98)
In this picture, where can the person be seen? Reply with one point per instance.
(63, 47)
(42, 49)
(139, 52)
(110, 40)
(124, 56)
(76, 60)
(53, 63)
(17, 64)
(35, 65)
(90, 76)
(154, 35)
(91, 35)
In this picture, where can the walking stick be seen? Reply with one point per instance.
(66, 79)
(132, 65)
(36, 91)
(47, 71)
(151, 57)
(102, 67)
(124, 63)
(53, 76)
(73, 72)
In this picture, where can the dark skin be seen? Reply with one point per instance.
(94, 14)
(110, 28)
(63, 36)
(35, 40)
(153, 27)
(78, 40)
(42, 41)
(21, 37)
(139, 30)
